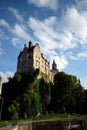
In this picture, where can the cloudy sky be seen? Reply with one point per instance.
(59, 26)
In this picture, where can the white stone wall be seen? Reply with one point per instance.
(37, 57)
(39, 61)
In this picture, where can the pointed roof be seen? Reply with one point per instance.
(54, 65)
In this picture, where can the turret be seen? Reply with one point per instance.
(30, 44)
(54, 65)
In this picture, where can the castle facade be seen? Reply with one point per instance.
(31, 59)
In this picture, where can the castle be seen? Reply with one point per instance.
(31, 59)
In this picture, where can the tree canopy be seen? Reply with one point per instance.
(68, 93)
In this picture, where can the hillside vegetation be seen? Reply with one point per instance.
(26, 96)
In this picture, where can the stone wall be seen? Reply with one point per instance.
(80, 124)
(25, 126)
(49, 125)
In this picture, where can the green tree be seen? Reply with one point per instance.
(67, 93)
(13, 110)
(30, 104)
(45, 93)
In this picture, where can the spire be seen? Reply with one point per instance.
(30, 44)
(54, 65)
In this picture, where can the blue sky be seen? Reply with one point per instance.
(59, 26)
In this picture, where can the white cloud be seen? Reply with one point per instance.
(1, 49)
(67, 40)
(15, 41)
(81, 4)
(43, 33)
(18, 42)
(3, 35)
(82, 54)
(53, 21)
(49, 31)
(51, 4)
(79, 56)
(54, 36)
(76, 22)
(16, 14)
(17, 30)
(20, 31)
(61, 61)
(6, 75)
(4, 23)
(84, 82)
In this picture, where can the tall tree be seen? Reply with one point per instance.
(67, 93)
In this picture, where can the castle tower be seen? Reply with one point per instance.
(30, 44)
(0, 85)
(54, 65)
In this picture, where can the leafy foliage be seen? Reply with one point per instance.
(13, 110)
(22, 96)
(68, 94)
(26, 96)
